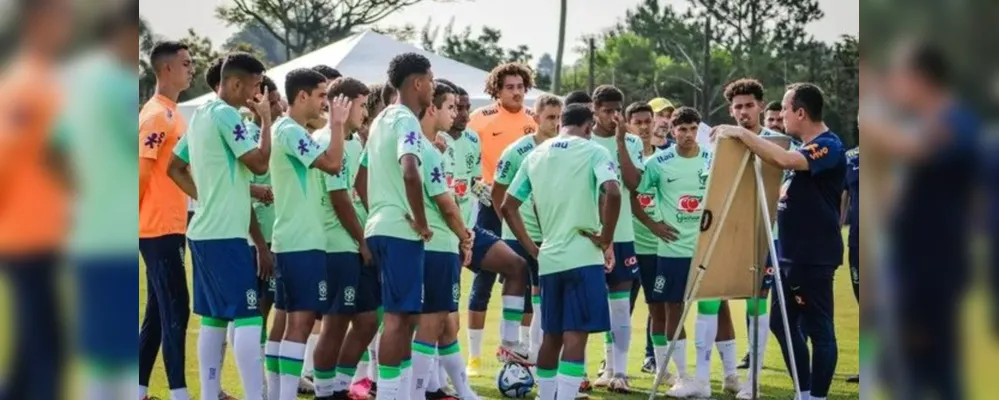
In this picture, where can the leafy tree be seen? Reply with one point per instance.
(254, 35)
(202, 53)
(482, 51)
(147, 79)
(544, 70)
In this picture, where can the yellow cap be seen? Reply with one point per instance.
(658, 104)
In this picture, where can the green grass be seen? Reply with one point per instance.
(775, 383)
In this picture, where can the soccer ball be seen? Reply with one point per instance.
(514, 381)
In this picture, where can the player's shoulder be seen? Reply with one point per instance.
(663, 156)
(153, 112)
(632, 139)
(471, 136)
(397, 112)
(485, 111)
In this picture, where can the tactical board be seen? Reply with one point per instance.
(731, 268)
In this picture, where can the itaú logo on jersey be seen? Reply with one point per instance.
(688, 208)
(646, 200)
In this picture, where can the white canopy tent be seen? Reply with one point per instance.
(366, 56)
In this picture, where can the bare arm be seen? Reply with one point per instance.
(414, 188)
(258, 160)
(771, 153)
(181, 175)
(611, 210)
(345, 213)
(498, 194)
(511, 214)
(452, 215)
(844, 207)
(331, 160)
(361, 185)
(630, 174)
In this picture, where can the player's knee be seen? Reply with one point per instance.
(479, 298)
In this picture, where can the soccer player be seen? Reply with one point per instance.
(224, 280)
(772, 117)
(353, 287)
(811, 245)
(547, 112)
(394, 151)
(611, 132)
(299, 241)
(329, 72)
(851, 204)
(678, 176)
(498, 125)
(572, 268)
(162, 222)
(578, 97)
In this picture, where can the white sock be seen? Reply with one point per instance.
(806, 395)
(292, 354)
(407, 382)
(422, 362)
(441, 373)
(525, 333)
(620, 316)
(391, 388)
(325, 382)
(660, 354)
(568, 387)
(705, 330)
(249, 360)
(272, 351)
(726, 350)
(179, 394)
(547, 387)
(763, 331)
(680, 357)
(230, 333)
(475, 343)
(143, 391)
(450, 360)
(433, 376)
(340, 383)
(362, 367)
(609, 350)
(211, 346)
(513, 313)
(309, 361)
(373, 352)
(536, 334)
(817, 398)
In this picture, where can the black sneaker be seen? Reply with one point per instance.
(853, 379)
(649, 367)
(373, 393)
(745, 362)
(341, 395)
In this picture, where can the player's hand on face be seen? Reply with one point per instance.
(423, 231)
(620, 128)
(262, 193)
(366, 258)
(265, 263)
(609, 260)
(339, 109)
(664, 231)
(261, 105)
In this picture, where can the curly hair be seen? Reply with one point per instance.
(744, 86)
(685, 115)
(405, 65)
(494, 82)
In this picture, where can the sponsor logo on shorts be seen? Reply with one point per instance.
(630, 261)
(660, 284)
(349, 296)
(272, 284)
(323, 291)
(251, 299)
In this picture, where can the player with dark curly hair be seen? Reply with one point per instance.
(498, 125)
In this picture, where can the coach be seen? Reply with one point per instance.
(811, 243)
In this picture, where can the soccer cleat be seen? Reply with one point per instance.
(745, 362)
(649, 367)
(619, 384)
(604, 379)
(731, 384)
(440, 394)
(225, 396)
(515, 353)
(584, 386)
(305, 386)
(746, 391)
(690, 387)
(473, 366)
(362, 389)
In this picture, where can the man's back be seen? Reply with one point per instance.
(395, 133)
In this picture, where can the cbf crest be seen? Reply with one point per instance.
(251, 299)
(323, 291)
(349, 295)
(456, 292)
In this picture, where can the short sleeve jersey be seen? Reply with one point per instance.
(435, 184)
(298, 191)
(853, 188)
(352, 159)
(679, 183)
(625, 231)
(394, 133)
(509, 164)
(647, 243)
(808, 211)
(567, 203)
(216, 140)
(163, 209)
(497, 129)
(463, 160)
(265, 212)
(338, 240)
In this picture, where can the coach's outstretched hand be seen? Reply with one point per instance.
(423, 231)
(265, 263)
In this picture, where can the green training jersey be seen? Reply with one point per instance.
(625, 231)
(646, 243)
(352, 161)
(265, 212)
(338, 240)
(394, 134)
(298, 190)
(435, 184)
(216, 139)
(679, 183)
(510, 163)
(567, 203)
(463, 160)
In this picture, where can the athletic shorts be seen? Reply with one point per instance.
(103, 307)
(488, 220)
(344, 273)
(225, 279)
(441, 287)
(653, 279)
(400, 263)
(768, 270)
(575, 301)
(674, 272)
(532, 263)
(625, 264)
(369, 290)
(265, 286)
(302, 284)
(484, 240)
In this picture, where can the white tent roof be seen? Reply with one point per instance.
(365, 56)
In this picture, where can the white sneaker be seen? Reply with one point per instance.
(306, 386)
(690, 387)
(746, 391)
(605, 379)
(619, 384)
(731, 384)
(514, 352)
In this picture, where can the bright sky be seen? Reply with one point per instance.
(530, 22)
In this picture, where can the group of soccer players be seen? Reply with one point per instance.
(359, 206)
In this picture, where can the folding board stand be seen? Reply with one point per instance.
(689, 296)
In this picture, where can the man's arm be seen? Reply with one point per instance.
(768, 151)
(361, 185)
(630, 173)
(844, 207)
(611, 209)
(178, 172)
(152, 135)
(511, 211)
(452, 215)
(413, 183)
(498, 194)
(344, 210)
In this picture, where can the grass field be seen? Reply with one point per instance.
(775, 383)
